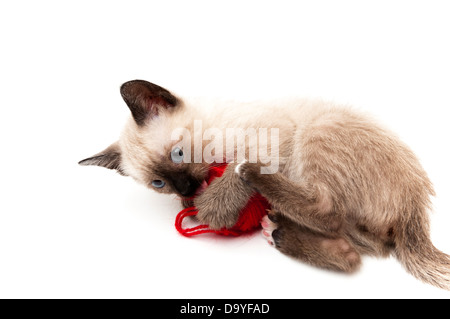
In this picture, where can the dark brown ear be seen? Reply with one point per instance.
(146, 99)
(109, 158)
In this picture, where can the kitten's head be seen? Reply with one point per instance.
(146, 149)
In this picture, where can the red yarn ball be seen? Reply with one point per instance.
(249, 217)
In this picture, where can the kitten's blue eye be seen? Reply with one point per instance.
(177, 155)
(158, 183)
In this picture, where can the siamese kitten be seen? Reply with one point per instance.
(339, 184)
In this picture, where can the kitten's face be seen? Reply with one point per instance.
(145, 150)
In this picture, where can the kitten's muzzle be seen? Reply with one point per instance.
(186, 186)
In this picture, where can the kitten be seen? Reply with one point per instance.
(340, 185)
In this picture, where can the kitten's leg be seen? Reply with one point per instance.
(221, 202)
(310, 246)
(302, 202)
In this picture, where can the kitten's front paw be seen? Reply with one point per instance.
(248, 172)
(215, 210)
(187, 202)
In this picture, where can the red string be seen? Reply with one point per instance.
(200, 229)
(249, 218)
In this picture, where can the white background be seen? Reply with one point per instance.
(70, 231)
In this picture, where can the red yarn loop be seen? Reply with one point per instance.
(249, 217)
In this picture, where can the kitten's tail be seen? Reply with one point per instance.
(418, 255)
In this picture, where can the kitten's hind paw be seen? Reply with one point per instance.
(270, 230)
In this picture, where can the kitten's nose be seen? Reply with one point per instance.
(186, 186)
